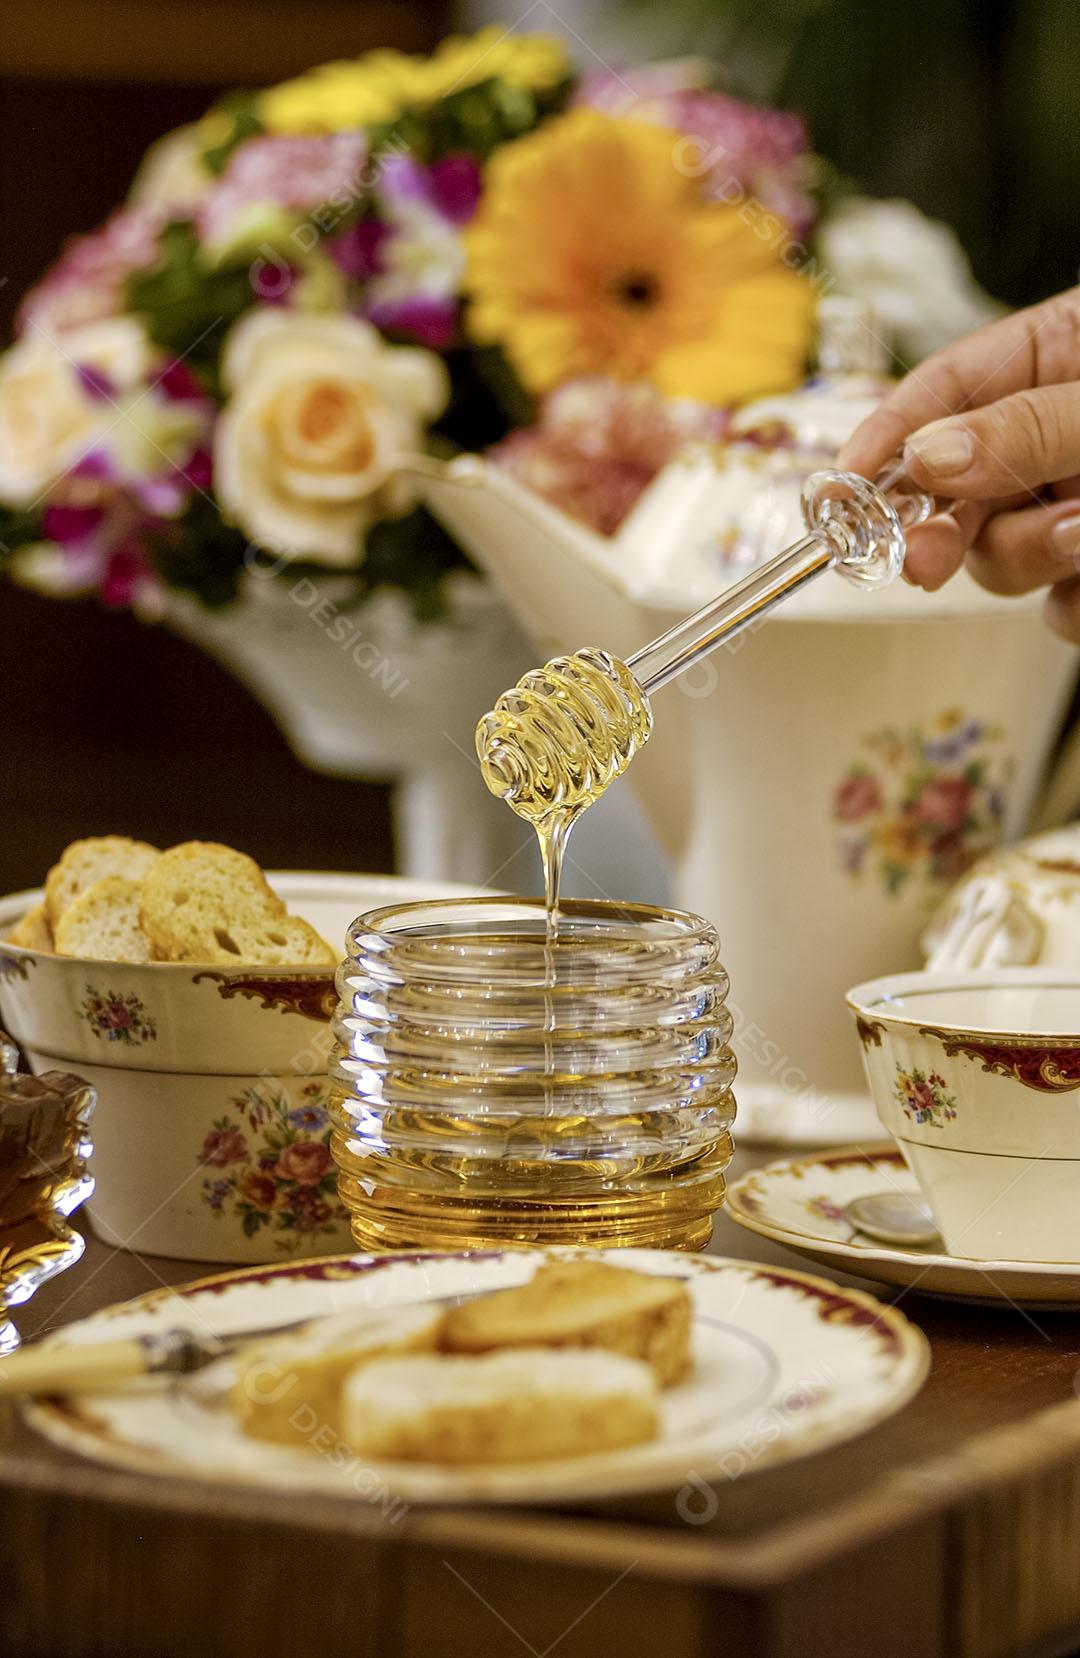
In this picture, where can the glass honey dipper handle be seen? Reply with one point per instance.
(855, 527)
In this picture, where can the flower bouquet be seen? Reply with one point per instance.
(396, 256)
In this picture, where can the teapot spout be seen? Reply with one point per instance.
(558, 578)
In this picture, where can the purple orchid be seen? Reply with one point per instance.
(410, 257)
(103, 549)
(112, 503)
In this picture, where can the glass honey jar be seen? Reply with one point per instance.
(501, 1083)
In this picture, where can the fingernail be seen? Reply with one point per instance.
(1066, 537)
(944, 448)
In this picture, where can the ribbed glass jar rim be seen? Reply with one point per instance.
(505, 941)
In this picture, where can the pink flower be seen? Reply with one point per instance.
(299, 173)
(944, 802)
(305, 1162)
(223, 1146)
(86, 284)
(856, 797)
(599, 443)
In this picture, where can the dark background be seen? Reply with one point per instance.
(966, 106)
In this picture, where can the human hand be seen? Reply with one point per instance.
(993, 422)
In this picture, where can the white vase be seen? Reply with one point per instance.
(751, 779)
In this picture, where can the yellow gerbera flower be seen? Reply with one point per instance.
(382, 84)
(592, 254)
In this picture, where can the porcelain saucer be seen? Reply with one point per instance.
(800, 1202)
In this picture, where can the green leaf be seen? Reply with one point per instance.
(237, 117)
(201, 555)
(414, 554)
(187, 306)
(477, 119)
(19, 527)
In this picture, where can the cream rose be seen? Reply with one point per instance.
(320, 414)
(50, 414)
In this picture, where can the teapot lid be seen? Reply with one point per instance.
(718, 510)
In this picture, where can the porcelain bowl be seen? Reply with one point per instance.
(211, 1134)
(977, 1075)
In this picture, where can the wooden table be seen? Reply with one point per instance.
(953, 1529)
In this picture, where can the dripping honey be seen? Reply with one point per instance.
(554, 742)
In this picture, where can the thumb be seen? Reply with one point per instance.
(1019, 442)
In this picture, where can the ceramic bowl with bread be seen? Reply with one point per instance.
(195, 994)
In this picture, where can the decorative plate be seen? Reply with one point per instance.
(785, 1364)
(800, 1203)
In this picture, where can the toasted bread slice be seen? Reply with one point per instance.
(524, 1406)
(282, 941)
(199, 896)
(288, 1387)
(582, 1304)
(32, 931)
(85, 862)
(102, 924)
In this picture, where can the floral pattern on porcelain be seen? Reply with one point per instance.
(268, 1164)
(116, 1018)
(923, 803)
(925, 1096)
